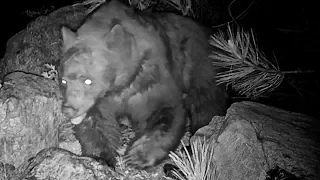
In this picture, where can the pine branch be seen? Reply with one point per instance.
(249, 72)
(198, 166)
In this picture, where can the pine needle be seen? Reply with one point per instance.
(93, 4)
(249, 72)
(199, 165)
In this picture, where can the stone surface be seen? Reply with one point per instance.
(60, 164)
(256, 138)
(29, 116)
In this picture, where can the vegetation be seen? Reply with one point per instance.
(199, 165)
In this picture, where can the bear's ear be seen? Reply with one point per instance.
(118, 39)
(68, 37)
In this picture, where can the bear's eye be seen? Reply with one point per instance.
(87, 81)
(63, 81)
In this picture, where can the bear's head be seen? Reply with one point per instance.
(93, 64)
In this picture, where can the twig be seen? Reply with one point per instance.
(238, 17)
(298, 72)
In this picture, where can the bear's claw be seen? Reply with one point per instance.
(145, 152)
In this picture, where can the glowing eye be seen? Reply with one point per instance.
(87, 81)
(63, 81)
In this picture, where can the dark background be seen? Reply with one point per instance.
(287, 30)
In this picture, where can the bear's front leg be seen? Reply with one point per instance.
(165, 128)
(99, 138)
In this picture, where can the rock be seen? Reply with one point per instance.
(60, 164)
(29, 116)
(67, 139)
(212, 130)
(256, 138)
(5, 170)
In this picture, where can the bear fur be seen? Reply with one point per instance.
(139, 65)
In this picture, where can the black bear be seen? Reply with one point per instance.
(140, 65)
